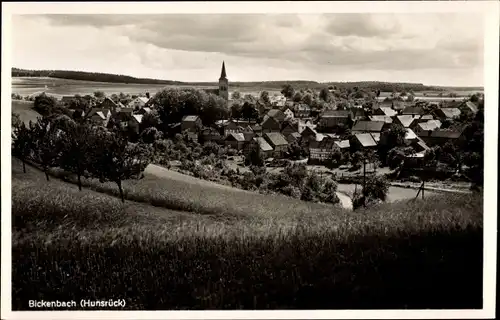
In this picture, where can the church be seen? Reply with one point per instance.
(223, 90)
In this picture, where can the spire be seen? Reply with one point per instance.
(223, 72)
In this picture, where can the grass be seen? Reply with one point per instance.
(25, 111)
(72, 245)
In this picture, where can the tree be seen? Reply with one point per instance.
(396, 156)
(77, 143)
(21, 142)
(150, 120)
(235, 111)
(295, 151)
(236, 95)
(249, 112)
(288, 91)
(390, 139)
(46, 144)
(264, 96)
(44, 104)
(325, 95)
(214, 109)
(254, 157)
(99, 95)
(297, 96)
(115, 159)
(15, 120)
(307, 99)
(150, 135)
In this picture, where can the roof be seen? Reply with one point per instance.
(410, 135)
(137, 117)
(102, 113)
(413, 110)
(407, 119)
(451, 112)
(248, 136)
(276, 113)
(276, 138)
(126, 110)
(296, 135)
(388, 111)
(264, 146)
(147, 109)
(268, 119)
(447, 134)
(422, 144)
(343, 144)
(143, 99)
(376, 136)
(323, 144)
(472, 106)
(256, 127)
(372, 126)
(223, 71)
(427, 117)
(385, 119)
(365, 139)
(236, 136)
(303, 107)
(121, 105)
(190, 118)
(336, 114)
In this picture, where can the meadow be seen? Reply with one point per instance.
(71, 245)
(25, 110)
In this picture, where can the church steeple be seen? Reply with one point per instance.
(223, 72)
(223, 83)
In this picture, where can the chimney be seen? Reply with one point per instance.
(147, 95)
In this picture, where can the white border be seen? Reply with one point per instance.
(492, 13)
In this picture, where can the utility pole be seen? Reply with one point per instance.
(423, 188)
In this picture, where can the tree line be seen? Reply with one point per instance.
(79, 148)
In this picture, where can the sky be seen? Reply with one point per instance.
(430, 48)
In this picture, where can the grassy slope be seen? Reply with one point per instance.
(71, 245)
(25, 110)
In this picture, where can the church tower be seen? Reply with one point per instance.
(223, 83)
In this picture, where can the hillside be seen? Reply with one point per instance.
(72, 245)
(114, 78)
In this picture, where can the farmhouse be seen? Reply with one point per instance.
(358, 114)
(294, 137)
(440, 137)
(144, 110)
(107, 103)
(384, 111)
(289, 127)
(210, 134)
(270, 124)
(332, 118)
(302, 110)
(322, 150)
(235, 141)
(447, 113)
(191, 123)
(365, 140)
(368, 126)
(405, 120)
(430, 125)
(414, 110)
(99, 116)
(138, 103)
(278, 142)
(343, 144)
(265, 149)
(470, 106)
(386, 119)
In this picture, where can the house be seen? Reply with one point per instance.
(308, 134)
(257, 128)
(419, 145)
(289, 127)
(278, 142)
(423, 127)
(410, 136)
(426, 117)
(235, 141)
(277, 114)
(302, 110)
(144, 110)
(413, 110)
(368, 126)
(99, 116)
(191, 123)
(358, 114)
(322, 150)
(138, 103)
(305, 124)
(343, 144)
(265, 148)
(288, 113)
(109, 104)
(384, 111)
(406, 120)
(440, 137)
(365, 140)
(470, 106)
(211, 134)
(270, 124)
(294, 137)
(447, 113)
(135, 122)
(386, 119)
(332, 118)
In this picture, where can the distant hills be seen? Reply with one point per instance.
(116, 78)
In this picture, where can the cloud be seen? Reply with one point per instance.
(310, 44)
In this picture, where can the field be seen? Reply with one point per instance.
(25, 110)
(71, 245)
(63, 87)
